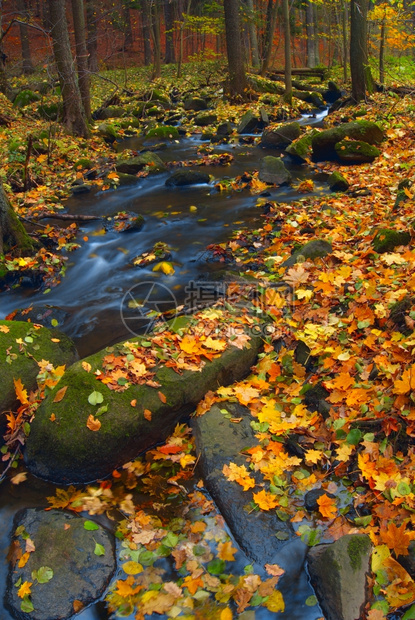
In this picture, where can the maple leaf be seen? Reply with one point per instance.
(407, 381)
(226, 551)
(21, 393)
(266, 501)
(216, 345)
(396, 538)
(342, 382)
(327, 506)
(238, 474)
(93, 423)
(296, 275)
(4, 329)
(24, 589)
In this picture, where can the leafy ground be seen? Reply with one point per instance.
(176, 556)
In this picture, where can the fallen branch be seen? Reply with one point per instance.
(66, 216)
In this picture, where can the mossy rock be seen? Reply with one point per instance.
(157, 95)
(51, 111)
(224, 129)
(280, 136)
(204, 119)
(399, 311)
(108, 132)
(337, 182)
(84, 163)
(387, 239)
(25, 98)
(273, 170)
(248, 123)
(338, 573)
(316, 248)
(323, 143)
(138, 163)
(195, 103)
(300, 149)
(311, 96)
(125, 179)
(164, 132)
(68, 452)
(18, 361)
(356, 151)
(401, 195)
(111, 112)
(180, 178)
(263, 85)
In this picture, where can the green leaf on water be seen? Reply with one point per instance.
(311, 601)
(90, 525)
(43, 574)
(95, 398)
(99, 549)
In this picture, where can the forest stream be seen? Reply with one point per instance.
(93, 297)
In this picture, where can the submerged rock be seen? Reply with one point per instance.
(67, 451)
(338, 573)
(64, 567)
(180, 178)
(273, 170)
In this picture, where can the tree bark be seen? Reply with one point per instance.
(234, 51)
(92, 38)
(155, 35)
(253, 38)
(82, 55)
(13, 237)
(73, 111)
(310, 30)
(358, 47)
(272, 10)
(287, 52)
(24, 37)
(128, 29)
(146, 33)
(169, 26)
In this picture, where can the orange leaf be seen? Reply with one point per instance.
(21, 393)
(52, 417)
(162, 397)
(397, 538)
(24, 589)
(93, 423)
(133, 402)
(60, 394)
(147, 414)
(327, 506)
(265, 500)
(77, 606)
(4, 329)
(23, 560)
(226, 551)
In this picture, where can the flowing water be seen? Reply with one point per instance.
(100, 281)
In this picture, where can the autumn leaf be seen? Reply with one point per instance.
(132, 568)
(327, 506)
(60, 394)
(266, 501)
(21, 393)
(93, 423)
(239, 474)
(226, 551)
(24, 589)
(147, 414)
(165, 267)
(4, 329)
(274, 570)
(24, 559)
(397, 538)
(162, 397)
(77, 606)
(226, 614)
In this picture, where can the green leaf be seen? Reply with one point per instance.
(43, 574)
(311, 601)
(95, 398)
(354, 436)
(409, 614)
(101, 410)
(90, 525)
(54, 323)
(170, 540)
(26, 605)
(99, 549)
(216, 567)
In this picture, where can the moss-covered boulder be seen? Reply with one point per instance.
(24, 98)
(338, 574)
(224, 129)
(300, 149)
(248, 123)
(220, 442)
(180, 178)
(316, 248)
(50, 111)
(148, 160)
(163, 132)
(311, 96)
(108, 132)
(280, 136)
(387, 239)
(84, 163)
(273, 171)
(111, 111)
(337, 182)
(205, 118)
(63, 568)
(403, 193)
(195, 103)
(323, 143)
(356, 151)
(21, 345)
(155, 94)
(67, 450)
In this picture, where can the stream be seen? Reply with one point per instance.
(94, 298)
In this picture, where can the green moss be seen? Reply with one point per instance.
(24, 98)
(357, 547)
(84, 163)
(356, 151)
(164, 131)
(337, 182)
(301, 147)
(387, 239)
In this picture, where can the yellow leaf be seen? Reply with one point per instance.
(86, 366)
(226, 614)
(165, 267)
(23, 560)
(275, 602)
(226, 551)
(216, 345)
(21, 393)
(266, 501)
(4, 329)
(186, 460)
(190, 345)
(132, 568)
(24, 589)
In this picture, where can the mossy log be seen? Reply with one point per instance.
(13, 236)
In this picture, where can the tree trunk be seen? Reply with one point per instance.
(170, 56)
(146, 33)
(344, 34)
(82, 55)
(13, 237)
(234, 51)
(24, 37)
(128, 29)
(253, 38)
(92, 38)
(287, 52)
(358, 47)
(272, 10)
(382, 51)
(73, 111)
(155, 35)
(310, 30)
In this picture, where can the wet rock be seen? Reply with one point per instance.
(261, 535)
(202, 120)
(263, 118)
(68, 451)
(300, 149)
(337, 182)
(179, 178)
(273, 170)
(82, 188)
(135, 164)
(46, 315)
(356, 151)
(164, 132)
(333, 92)
(311, 497)
(224, 129)
(323, 143)
(387, 239)
(248, 123)
(195, 103)
(63, 545)
(338, 573)
(312, 97)
(108, 132)
(20, 361)
(280, 136)
(316, 248)
(126, 179)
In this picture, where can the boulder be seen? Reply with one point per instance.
(108, 132)
(402, 195)
(273, 170)
(224, 129)
(323, 143)
(164, 132)
(24, 98)
(156, 94)
(248, 123)
(338, 573)
(316, 248)
(261, 535)
(138, 163)
(180, 178)
(356, 151)
(111, 111)
(50, 112)
(300, 149)
(202, 120)
(387, 239)
(67, 451)
(66, 566)
(195, 103)
(280, 136)
(337, 182)
(332, 93)
(21, 344)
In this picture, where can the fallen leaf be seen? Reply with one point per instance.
(60, 394)
(93, 423)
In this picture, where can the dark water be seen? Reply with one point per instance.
(94, 294)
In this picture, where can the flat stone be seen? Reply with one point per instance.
(179, 178)
(273, 171)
